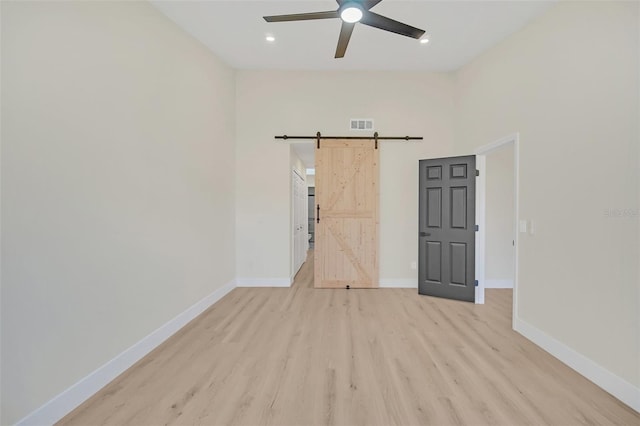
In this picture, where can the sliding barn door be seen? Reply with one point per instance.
(346, 247)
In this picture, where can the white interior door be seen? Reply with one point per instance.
(300, 225)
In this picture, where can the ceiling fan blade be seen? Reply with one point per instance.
(302, 16)
(368, 4)
(382, 22)
(343, 40)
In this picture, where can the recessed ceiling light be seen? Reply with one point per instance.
(424, 41)
(270, 38)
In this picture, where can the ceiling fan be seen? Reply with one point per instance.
(351, 12)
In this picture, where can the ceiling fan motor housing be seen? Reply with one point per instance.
(350, 11)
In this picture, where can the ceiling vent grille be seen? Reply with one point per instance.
(365, 124)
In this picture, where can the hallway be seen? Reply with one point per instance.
(304, 277)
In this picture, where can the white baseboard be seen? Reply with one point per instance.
(498, 283)
(72, 397)
(398, 283)
(615, 385)
(263, 282)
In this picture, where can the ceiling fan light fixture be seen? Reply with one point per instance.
(351, 12)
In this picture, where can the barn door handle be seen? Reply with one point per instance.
(425, 234)
(318, 213)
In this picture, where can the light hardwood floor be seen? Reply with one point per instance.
(305, 356)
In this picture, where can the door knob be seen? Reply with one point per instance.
(425, 234)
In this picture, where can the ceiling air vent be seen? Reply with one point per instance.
(361, 124)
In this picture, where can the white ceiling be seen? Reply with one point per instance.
(306, 152)
(458, 31)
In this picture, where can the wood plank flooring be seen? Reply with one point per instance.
(305, 356)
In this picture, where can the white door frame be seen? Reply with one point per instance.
(481, 193)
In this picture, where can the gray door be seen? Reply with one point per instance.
(447, 228)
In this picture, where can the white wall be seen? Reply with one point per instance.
(117, 186)
(568, 83)
(273, 103)
(311, 180)
(499, 218)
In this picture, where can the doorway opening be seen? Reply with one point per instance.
(497, 216)
(302, 161)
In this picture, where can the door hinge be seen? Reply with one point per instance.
(475, 283)
(318, 213)
(477, 228)
(477, 172)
